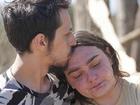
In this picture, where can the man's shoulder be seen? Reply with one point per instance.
(10, 92)
(7, 81)
(4, 79)
(8, 96)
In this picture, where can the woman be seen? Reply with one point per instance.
(93, 72)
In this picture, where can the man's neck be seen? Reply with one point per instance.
(31, 73)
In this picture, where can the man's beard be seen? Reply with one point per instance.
(57, 71)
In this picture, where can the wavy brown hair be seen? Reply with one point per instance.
(85, 38)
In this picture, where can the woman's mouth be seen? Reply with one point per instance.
(97, 86)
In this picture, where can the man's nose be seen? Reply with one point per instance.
(72, 40)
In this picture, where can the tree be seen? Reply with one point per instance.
(93, 15)
(7, 53)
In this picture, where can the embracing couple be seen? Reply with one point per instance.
(53, 67)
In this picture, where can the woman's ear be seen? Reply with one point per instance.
(109, 55)
(107, 50)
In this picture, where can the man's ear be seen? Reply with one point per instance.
(39, 41)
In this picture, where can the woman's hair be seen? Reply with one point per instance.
(85, 38)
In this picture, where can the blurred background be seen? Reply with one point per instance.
(117, 21)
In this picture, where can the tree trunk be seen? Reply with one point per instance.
(7, 52)
(126, 16)
(100, 15)
(81, 20)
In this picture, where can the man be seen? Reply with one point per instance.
(40, 31)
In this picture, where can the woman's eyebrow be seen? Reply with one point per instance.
(76, 68)
(91, 59)
(73, 70)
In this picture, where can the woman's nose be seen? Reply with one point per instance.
(92, 76)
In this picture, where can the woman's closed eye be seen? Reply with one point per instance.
(95, 62)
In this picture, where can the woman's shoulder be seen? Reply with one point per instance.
(133, 78)
(131, 88)
(132, 82)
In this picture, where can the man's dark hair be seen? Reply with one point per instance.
(24, 19)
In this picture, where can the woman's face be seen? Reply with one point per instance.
(90, 72)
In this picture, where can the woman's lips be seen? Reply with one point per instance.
(97, 86)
